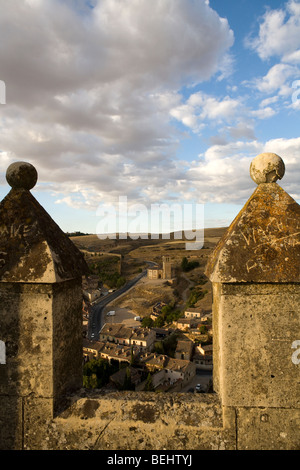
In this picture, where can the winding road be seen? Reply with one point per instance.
(95, 319)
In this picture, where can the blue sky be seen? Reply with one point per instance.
(165, 101)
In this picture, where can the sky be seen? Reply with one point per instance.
(149, 102)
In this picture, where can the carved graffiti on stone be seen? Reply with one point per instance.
(264, 241)
(2, 258)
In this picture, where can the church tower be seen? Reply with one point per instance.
(167, 268)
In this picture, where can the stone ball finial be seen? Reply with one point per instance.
(21, 175)
(267, 168)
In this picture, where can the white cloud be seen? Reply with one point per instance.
(242, 130)
(89, 91)
(91, 94)
(279, 32)
(221, 174)
(201, 107)
(263, 113)
(267, 101)
(276, 79)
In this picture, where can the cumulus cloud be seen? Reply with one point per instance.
(95, 100)
(221, 173)
(90, 86)
(201, 107)
(263, 113)
(278, 39)
(279, 33)
(276, 79)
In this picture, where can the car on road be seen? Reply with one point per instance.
(199, 388)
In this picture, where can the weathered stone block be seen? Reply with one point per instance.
(268, 429)
(11, 432)
(257, 325)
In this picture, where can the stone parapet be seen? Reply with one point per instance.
(255, 404)
(135, 421)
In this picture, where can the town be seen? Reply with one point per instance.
(164, 348)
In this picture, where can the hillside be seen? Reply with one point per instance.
(135, 254)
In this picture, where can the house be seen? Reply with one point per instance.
(152, 361)
(86, 307)
(91, 294)
(118, 378)
(207, 318)
(156, 310)
(118, 333)
(205, 350)
(194, 313)
(91, 349)
(171, 369)
(203, 362)
(164, 272)
(116, 353)
(115, 333)
(144, 338)
(157, 307)
(154, 272)
(180, 369)
(109, 351)
(184, 349)
(203, 357)
(185, 323)
(154, 316)
(162, 333)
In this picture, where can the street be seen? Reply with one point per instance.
(96, 320)
(202, 377)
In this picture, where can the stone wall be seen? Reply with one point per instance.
(132, 421)
(255, 404)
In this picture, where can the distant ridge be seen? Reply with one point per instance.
(179, 235)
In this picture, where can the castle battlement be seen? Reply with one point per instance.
(255, 273)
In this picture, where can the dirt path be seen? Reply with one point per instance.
(186, 292)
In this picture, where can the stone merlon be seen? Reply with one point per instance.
(256, 337)
(32, 246)
(262, 244)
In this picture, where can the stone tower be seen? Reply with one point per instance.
(40, 308)
(167, 268)
(255, 273)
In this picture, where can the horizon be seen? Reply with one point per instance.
(147, 234)
(164, 102)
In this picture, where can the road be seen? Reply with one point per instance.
(202, 377)
(95, 319)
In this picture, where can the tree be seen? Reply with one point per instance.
(96, 373)
(149, 387)
(169, 345)
(158, 347)
(128, 385)
(203, 329)
(188, 265)
(147, 322)
(159, 322)
(196, 294)
(184, 264)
